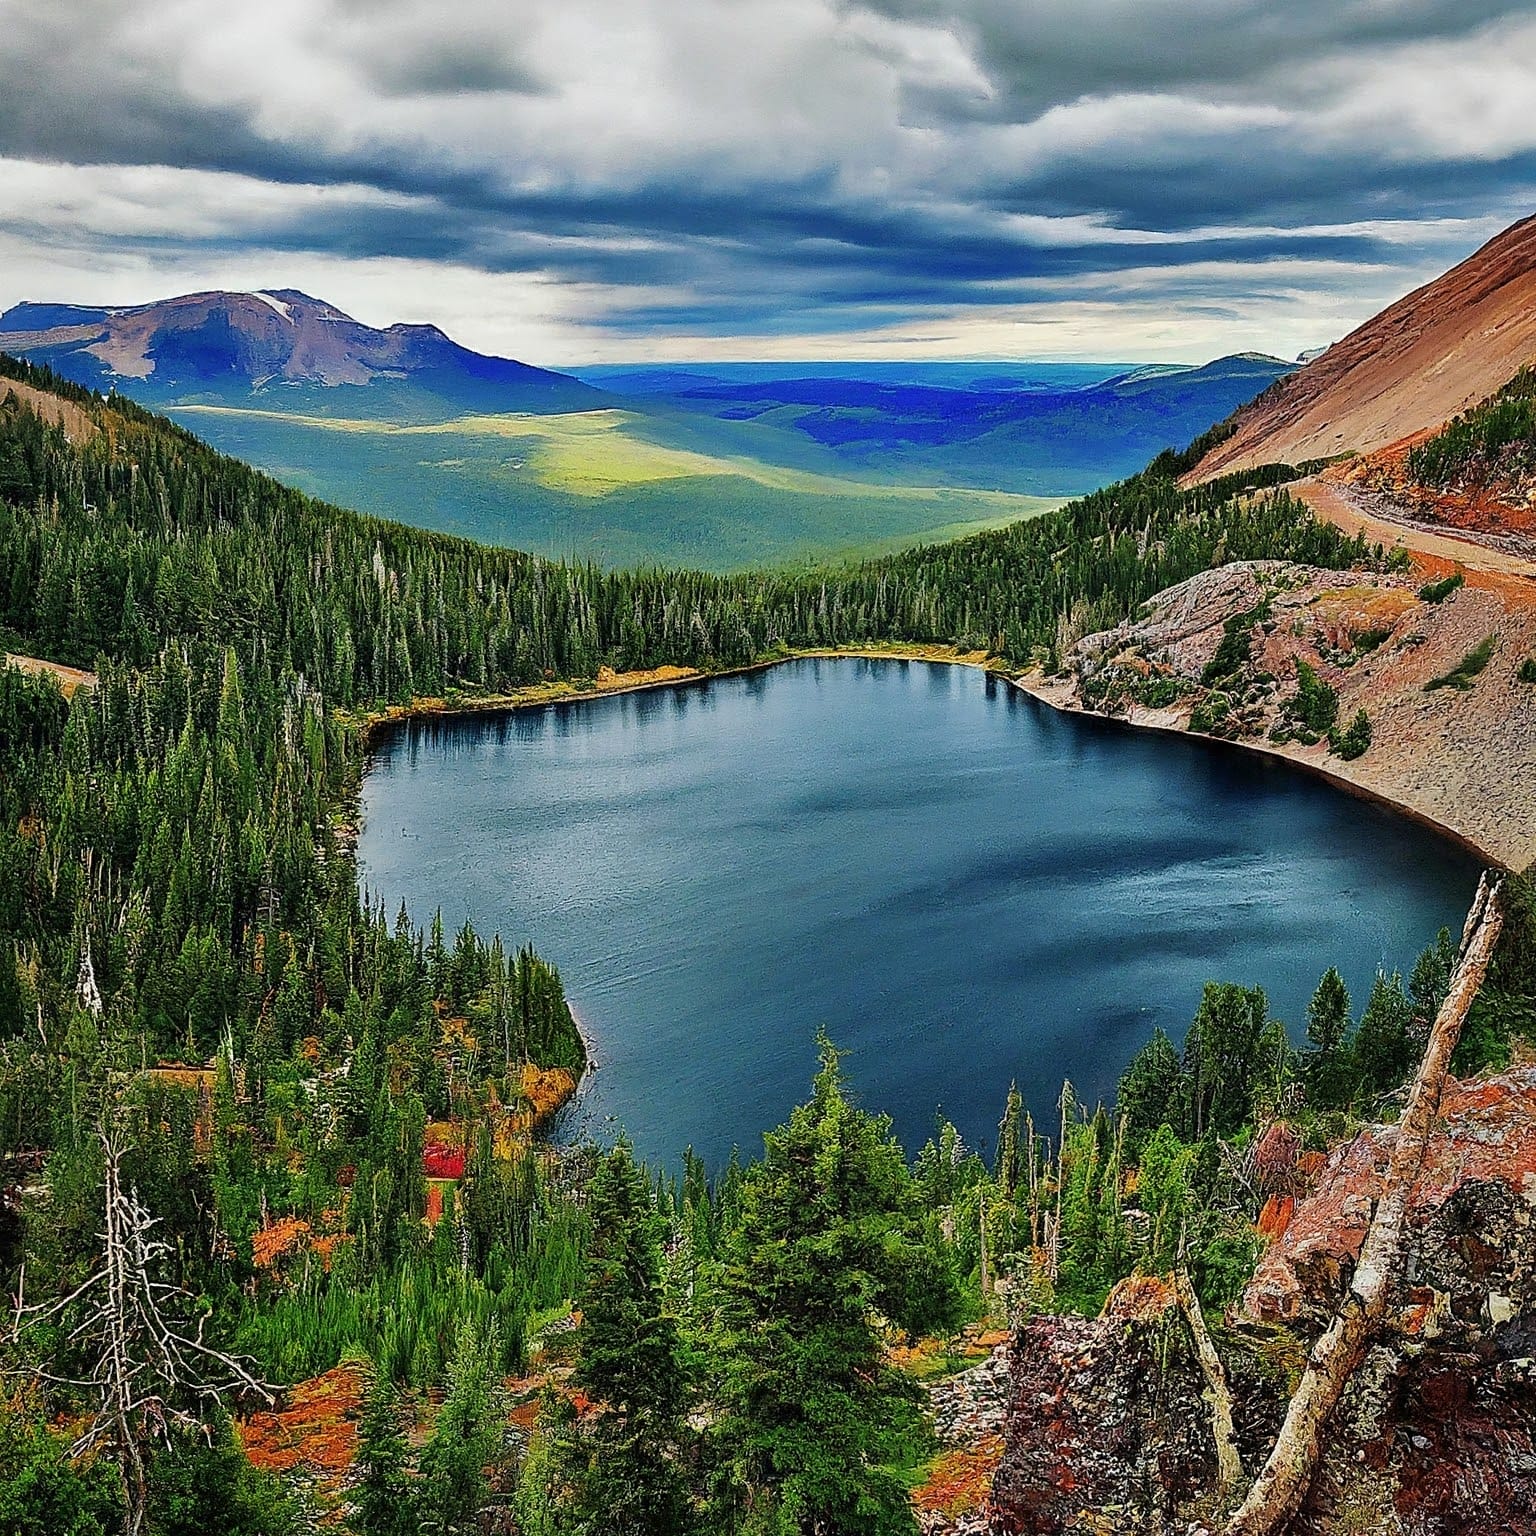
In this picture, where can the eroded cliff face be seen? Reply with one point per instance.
(1109, 1431)
(1459, 752)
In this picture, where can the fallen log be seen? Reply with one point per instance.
(1282, 1484)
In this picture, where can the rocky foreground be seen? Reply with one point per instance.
(1107, 1427)
(1452, 719)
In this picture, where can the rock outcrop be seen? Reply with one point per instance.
(1460, 753)
(1108, 1430)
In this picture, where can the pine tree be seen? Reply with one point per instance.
(827, 1234)
(1383, 1047)
(383, 1503)
(1150, 1091)
(1330, 1068)
(623, 1459)
(465, 1440)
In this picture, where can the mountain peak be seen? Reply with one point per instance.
(242, 348)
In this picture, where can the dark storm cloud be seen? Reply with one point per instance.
(723, 167)
(1036, 55)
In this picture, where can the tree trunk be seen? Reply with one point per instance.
(1280, 1487)
(1229, 1466)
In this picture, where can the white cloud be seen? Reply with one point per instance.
(745, 174)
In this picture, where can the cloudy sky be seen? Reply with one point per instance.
(581, 180)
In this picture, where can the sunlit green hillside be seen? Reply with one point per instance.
(598, 485)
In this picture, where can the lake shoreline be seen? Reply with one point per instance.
(542, 695)
(601, 835)
(1060, 700)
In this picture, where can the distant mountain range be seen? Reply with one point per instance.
(1041, 428)
(280, 350)
(704, 463)
(1440, 350)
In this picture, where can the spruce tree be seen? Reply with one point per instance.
(1150, 1091)
(623, 1459)
(1330, 1069)
(1383, 1046)
(828, 1236)
(383, 1503)
(465, 1440)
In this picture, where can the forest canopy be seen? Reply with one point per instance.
(305, 1127)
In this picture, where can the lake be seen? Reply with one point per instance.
(962, 885)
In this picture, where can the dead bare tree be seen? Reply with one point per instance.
(1229, 1466)
(1282, 1484)
(146, 1366)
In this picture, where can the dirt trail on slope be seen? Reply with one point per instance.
(1385, 523)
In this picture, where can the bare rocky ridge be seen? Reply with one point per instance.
(1443, 348)
(1464, 758)
(55, 410)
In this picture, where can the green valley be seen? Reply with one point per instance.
(610, 485)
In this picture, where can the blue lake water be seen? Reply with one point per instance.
(962, 885)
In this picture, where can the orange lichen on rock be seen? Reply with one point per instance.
(315, 1428)
(1365, 604)
(960, 1481)
(1276, 1216)
(1486, 1134)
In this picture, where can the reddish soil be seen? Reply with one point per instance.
(1441, 534)
(1498, 512)
(959, 1482)
(1441, 349)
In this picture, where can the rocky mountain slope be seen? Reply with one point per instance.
(283, 350)
(1442, 676)
(1436, 352)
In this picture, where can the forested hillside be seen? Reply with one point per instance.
(252, 1128)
